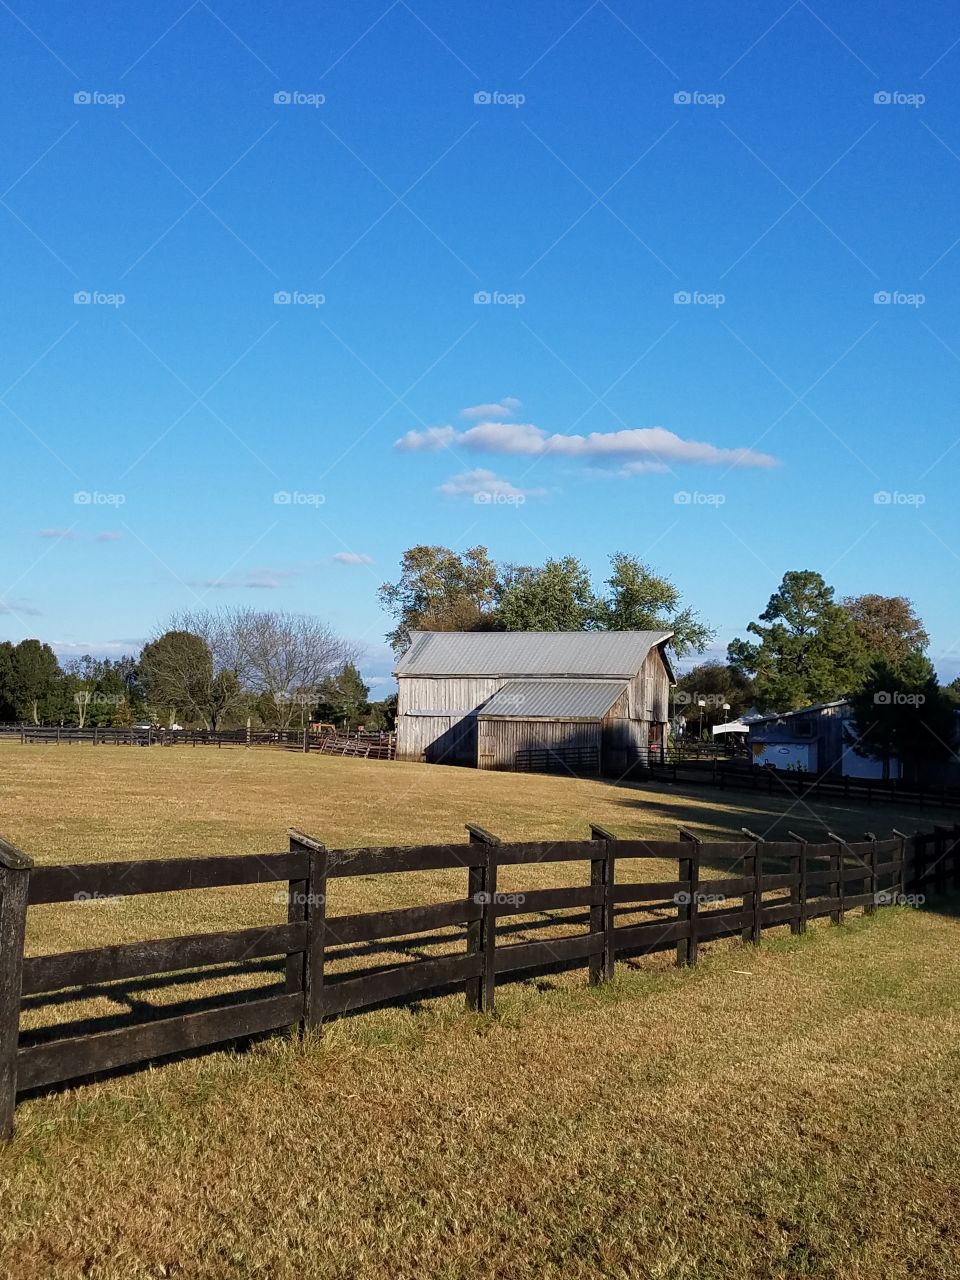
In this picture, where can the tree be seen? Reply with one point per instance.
(901, 713)
(808, 651)
(343, 697)
(641, 600)
(101, 691)
(178, 675)
(383, 715)
(8, 710)
(556, 597)
(284, 659)
(716, 683)
(224, 633)
(887, 626)
(35, 681)
(440, 590)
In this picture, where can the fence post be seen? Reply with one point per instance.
(482, 933)
(904, 876)
(755, 929)
(872, 865)
(298, 901)
(603, 873)
(14, 885)
(315, 909)
(798, 867)
(687, 947)
(941, 852)
(837, 864)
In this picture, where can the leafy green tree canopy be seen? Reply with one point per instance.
(807, 648)
(887, 626)
(440, 590)
(900, 712)
(443, 590)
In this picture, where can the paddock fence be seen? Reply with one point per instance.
(718, 890)
(366, 745)
(744, 776)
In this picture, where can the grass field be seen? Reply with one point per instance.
(787, 1112)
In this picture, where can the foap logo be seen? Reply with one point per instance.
(695, 98)
(95, 896)
(896, 298)
(892, 898)
(486, 498)
(894, 98)
(694, 498)
(897, 698)
(297, 898)
(94, 98)
(712, 700)
(894, 498)
(494, 98)
(94, 298)
(93, 498)
(295, 298)
(684, 899)
(499, 899)
(496, 298)
(296, 98)
(695, 298)
(294, 498)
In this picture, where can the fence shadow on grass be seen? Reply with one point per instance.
(410, 952)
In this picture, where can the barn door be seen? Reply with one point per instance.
(485, 752)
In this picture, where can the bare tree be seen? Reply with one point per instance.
(280, 658)
(285, 657)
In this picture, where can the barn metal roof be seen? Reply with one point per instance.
(528, 653)
(554, 699)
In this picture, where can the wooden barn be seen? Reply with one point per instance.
(588, 701)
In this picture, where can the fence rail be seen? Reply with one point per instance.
(367, 745)
(724, 773)
(809, 880)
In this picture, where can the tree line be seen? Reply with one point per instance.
(209, 669)
(444, 590)
(805, 647)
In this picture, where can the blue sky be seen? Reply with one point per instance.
(387, 166)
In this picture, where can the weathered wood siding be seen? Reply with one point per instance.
(500, 741)
(438, 733)
(649, 691)
(444, 728)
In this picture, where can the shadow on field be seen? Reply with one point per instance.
(133, 995)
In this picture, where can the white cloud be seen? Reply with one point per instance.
(98, 648)
(109, 536)
(433, 438)
(638, 449)
(644, 468)
(18, 608)
(353, 557)
(470, 483)
(254, 580)
(504, 408)
(59, 534)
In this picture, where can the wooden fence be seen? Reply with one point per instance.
(766, 884)
(368, 745)
(744, 776)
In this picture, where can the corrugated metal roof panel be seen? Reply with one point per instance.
(554, 699)
(528, 653)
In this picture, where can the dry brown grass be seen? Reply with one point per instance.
(787, 1112)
